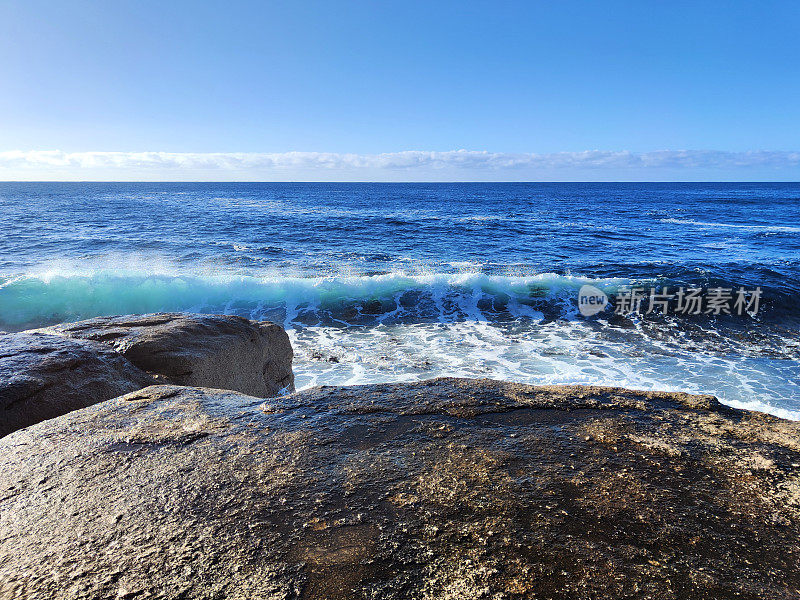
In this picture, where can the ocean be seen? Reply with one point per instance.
(391, 282)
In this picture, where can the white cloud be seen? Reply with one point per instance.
(456, 164)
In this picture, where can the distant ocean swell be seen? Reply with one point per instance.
(741, 226)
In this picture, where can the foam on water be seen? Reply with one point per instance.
(746, 227)
(547, 353)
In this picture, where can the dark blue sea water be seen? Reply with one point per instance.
(396, 282)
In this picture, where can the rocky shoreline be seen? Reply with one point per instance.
(448, 488)
(48, 372)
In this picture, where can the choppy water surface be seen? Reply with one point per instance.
(397, 282)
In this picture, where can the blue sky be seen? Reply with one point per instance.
(510, 79)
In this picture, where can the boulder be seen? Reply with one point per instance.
(43, 376)
(217, 351)
(447, 488)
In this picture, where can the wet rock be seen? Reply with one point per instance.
(218, 351)
(442, 489)
(43, 376)
(372, 307)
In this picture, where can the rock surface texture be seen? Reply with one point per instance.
(43, 376)
(442, 489)
(218, 351)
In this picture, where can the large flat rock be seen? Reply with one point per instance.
(441, 489)
(43, 376)
(218, 351)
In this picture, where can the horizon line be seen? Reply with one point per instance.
(416, 181)
(404, 166)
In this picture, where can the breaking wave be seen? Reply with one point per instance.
(33, 299)
(37, 299)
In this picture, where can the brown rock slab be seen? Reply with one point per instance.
(442, 489)
(217, 351)
(43, 376)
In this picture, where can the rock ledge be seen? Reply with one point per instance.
(218, 351)
(441, 489)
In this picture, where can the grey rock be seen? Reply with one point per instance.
(442, 489)
(43, 376)
(217, 351)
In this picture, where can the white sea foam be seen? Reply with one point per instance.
(765, 228)
(552, 353)
(481, 218)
